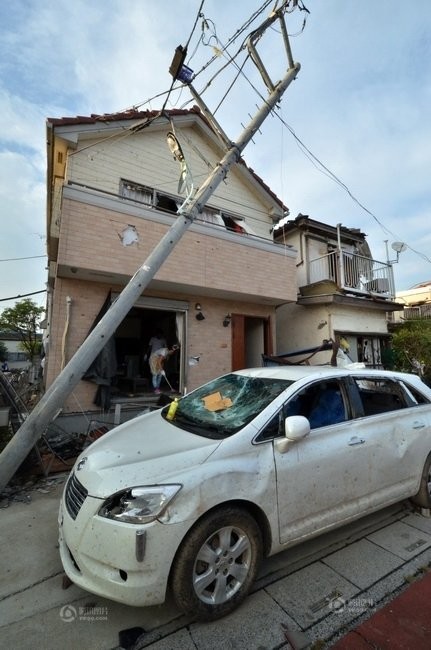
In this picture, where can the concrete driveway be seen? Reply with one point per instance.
(311, 594)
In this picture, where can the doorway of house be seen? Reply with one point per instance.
(251, 338)
(131, 345)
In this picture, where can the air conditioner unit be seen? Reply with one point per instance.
(380, 285)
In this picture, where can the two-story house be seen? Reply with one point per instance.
(113, 190)
(343, 293)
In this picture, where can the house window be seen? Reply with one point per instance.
(148, 196)
(236, 224)
(166, 203)
(369, 351)
(169, 203)
(136, 192)
(212, 216)
(17, 356)
(380, 395)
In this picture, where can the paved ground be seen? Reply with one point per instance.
(349, 589)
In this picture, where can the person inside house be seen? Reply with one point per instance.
(156, 342)
(157, 362)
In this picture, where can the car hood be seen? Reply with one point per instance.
(144, 451)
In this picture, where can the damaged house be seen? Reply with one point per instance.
(344, 294)
(114, 188)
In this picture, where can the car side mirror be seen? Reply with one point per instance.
(296, 427)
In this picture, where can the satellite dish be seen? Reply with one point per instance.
(399, 246)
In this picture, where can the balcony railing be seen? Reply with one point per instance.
(417, 312)
(353, 273)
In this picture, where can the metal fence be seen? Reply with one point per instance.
(414, 313)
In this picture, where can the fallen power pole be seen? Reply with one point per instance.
(47, 408)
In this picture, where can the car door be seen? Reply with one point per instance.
(325, 479)
(397, 429)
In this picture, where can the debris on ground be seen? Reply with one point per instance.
(20, 489)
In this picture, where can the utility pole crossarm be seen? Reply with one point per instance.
(47, 408)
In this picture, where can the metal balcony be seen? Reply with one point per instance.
(352, 273)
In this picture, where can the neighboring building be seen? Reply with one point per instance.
(17, 359)
(416, 302)
(113, 192)
(343, 293)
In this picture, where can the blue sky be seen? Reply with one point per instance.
(361, 105)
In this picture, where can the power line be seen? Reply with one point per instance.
(320, 166)
(14, 259)
(23, 295)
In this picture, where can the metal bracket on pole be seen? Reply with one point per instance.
(256, 36)
(276, 15)
(45, 410)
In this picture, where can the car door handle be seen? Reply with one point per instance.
(418, 425)
(356, 441)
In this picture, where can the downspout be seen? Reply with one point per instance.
(65, 331)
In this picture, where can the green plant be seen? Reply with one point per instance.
(411, 344)
(24, 319)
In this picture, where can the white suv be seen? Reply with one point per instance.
(190, 497)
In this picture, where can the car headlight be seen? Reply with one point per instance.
(139, 505)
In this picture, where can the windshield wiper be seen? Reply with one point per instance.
(204, 428)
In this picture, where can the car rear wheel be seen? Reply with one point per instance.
(217, 564)
(423, 497)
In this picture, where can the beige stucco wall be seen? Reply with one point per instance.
(207, 339)
(90, 238)
(300, 327)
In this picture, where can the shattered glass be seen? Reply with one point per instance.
(222, 407)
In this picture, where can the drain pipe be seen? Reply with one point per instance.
(66, 329)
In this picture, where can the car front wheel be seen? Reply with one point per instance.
(423, 497)
(217, 564)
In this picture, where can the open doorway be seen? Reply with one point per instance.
(251, 338)
(132, 338)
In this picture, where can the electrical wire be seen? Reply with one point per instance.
(315, 161)
(145, 123)
(320, 166)
(162, 110)
(23, 295)
(14, 259)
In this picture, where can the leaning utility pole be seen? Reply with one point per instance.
(47, 408)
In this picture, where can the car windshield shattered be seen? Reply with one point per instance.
(222, 407)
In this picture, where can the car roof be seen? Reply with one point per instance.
(296, 373)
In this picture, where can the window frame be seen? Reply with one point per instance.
(282, 411)
(400, 392)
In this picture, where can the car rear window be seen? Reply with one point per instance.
(381, 395)
(418, 397)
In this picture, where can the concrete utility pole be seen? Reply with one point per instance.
(46, 409)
